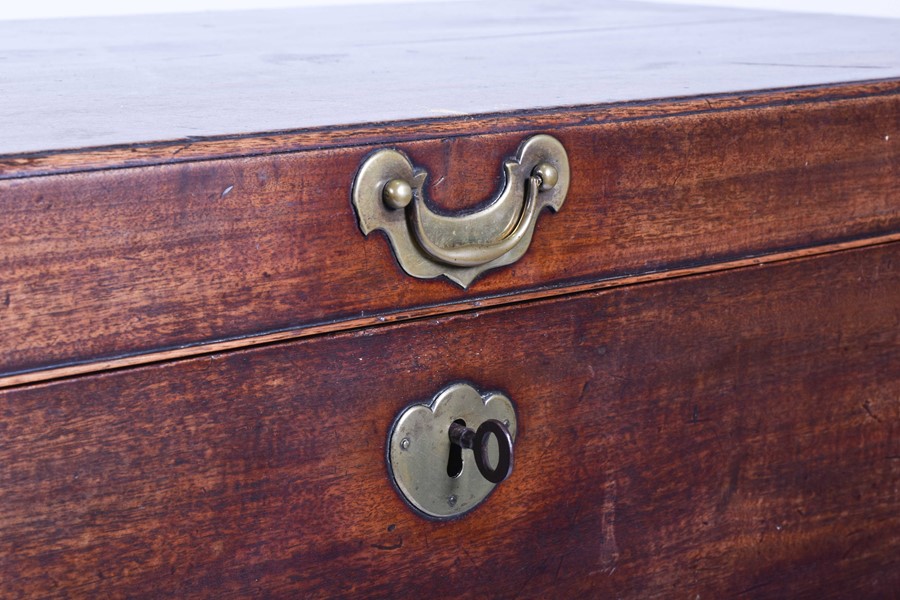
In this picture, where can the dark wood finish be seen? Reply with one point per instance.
(94, 82)
(721, 435)
(109, 264)
(703, 346)
(292, 334)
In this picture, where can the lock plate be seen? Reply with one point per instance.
(419, 448)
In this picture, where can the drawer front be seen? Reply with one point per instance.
(725, 433)
(108, 265)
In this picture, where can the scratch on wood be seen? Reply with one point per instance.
(524, 586)
(395, 546)
(559, 567)
(587, 384)
(180, 149)
(868, 408)
(469, 557)
(753, 588)
(609, 549)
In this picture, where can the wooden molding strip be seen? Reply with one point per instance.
(31, 377)
(51, 162)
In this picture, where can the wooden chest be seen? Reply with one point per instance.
(203, 355)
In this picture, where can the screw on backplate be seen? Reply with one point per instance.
(506, 422)
(404, 444)
(451, 501)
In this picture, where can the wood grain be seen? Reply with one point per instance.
(432, 311)
(95, 82)
(731, 434)
(110, 264)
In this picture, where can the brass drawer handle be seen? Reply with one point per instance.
(388, 194)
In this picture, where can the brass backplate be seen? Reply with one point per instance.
(419, 447)
(389, 195)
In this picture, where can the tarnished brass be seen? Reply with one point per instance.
(422, 439)
(388, 194)
(397, 193)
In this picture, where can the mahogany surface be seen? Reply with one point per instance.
(128, 261)
(730, 434)
(201, 355)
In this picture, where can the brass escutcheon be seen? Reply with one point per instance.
(421, 442)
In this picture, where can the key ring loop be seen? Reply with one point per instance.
(480, 446)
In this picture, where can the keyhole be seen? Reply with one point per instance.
(455, 459)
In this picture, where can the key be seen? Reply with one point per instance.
(477, 441)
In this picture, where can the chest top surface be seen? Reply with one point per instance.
(110, 81)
